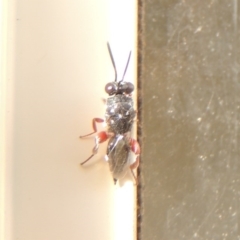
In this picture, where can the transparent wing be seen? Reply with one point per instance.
(118, 156)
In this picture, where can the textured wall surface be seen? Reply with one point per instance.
(190, 170)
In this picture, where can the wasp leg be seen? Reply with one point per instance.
(101, 137)
(104, 100)
(134, 176)
(94, 125)
(134, 166)
(136, 149)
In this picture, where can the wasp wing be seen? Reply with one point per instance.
(118, 156)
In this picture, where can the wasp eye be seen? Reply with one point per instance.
(129, 88)
(111, 88)
(125, 87)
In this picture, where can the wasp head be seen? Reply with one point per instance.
(121, 87)
(118, 87)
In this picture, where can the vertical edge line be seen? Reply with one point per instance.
(139, 115)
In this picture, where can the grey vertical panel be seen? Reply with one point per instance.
(190, 170)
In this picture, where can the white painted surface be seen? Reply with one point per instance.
(56, 69)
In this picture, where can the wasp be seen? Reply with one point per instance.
(119, 117)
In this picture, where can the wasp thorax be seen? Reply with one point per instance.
(125, 87)
(111, 88)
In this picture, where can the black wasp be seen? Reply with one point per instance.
(119, 117)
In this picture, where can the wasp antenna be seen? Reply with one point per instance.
(126, 66)
(113, 62)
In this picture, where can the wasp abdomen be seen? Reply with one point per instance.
(118, 153)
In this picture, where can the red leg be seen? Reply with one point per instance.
(94, 125)
(135, 146)
(136, 149)
(135, 164)
(101, 137)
